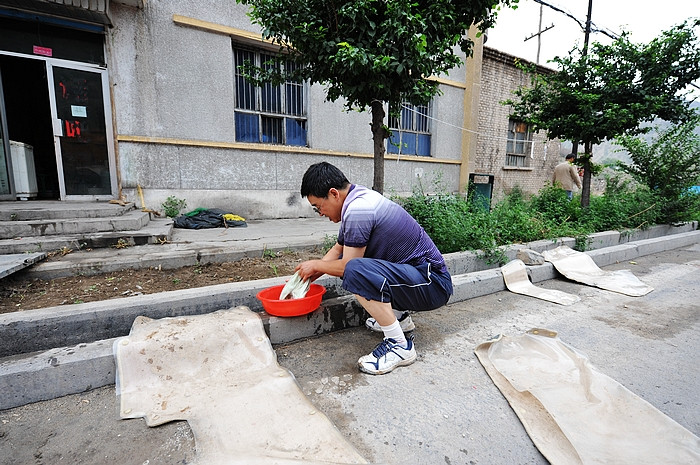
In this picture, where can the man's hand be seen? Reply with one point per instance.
(333, 263)
(308, 270)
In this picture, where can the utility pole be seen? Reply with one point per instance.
(584, 52)
(539, 35)
(588, 28)
(588, 148)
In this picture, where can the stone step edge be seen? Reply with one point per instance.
(152, 233)
(31, 212)
(132, 220)
(166, 259)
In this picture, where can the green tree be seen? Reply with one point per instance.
(370, 52)
(668, 165)
(611, 90)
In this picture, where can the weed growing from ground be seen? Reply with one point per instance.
(173, 206)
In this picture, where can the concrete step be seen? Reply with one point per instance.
(130, 221)
(14, 262)
(51, 210)
(138, 230)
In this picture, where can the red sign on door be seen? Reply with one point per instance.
(43, 51)
(72, 128)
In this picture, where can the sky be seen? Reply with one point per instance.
(643, 19)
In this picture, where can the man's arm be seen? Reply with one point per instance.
(331, 263)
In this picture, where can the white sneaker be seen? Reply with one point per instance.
(387, 356)
(405, 322)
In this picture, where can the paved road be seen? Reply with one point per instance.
(442, 409)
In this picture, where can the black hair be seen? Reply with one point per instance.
(571, 155)
(320, 178)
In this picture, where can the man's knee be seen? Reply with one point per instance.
(352, 267)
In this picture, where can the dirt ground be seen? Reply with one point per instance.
(20, 292)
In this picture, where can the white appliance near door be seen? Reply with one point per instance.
(23, 169)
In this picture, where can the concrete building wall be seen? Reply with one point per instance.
(173, 103)
(500, 77)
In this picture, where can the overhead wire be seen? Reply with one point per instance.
(488, 136)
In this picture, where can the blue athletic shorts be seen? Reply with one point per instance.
(407, 287)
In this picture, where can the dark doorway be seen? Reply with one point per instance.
(29, 117)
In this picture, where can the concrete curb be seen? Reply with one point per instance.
(51, 373)
(56, 373)
(47, 328)
(169, 256)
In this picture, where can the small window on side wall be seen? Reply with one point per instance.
(410, 132)
(519, 144)
(270, 114)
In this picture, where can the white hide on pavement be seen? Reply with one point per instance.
(576, 414)
(219, 372)
(579, 267)
(516, 279)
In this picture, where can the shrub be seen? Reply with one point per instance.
(668, 166)
(456, 223)
(451, 221)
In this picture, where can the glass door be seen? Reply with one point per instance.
(83, 133)
(5, 158)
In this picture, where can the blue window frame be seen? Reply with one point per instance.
(270, 114)
(410, 132)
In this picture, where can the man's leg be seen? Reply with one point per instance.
(385, 317)
(404, 286)
(375, 283)
(404, 317)
(395, 350)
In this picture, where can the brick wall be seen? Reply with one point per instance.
(499, 78)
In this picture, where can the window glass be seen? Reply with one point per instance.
(263, 113)
(410, 132)
(271, 94)
(296, 131)
(392, 145)
(423, 146)
(246, 127)
(245, 91)
(519, 144)
(271, 130)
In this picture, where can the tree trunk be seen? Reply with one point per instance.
(586, 191)
(379, 134)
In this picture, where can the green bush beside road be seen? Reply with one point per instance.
(458, 223)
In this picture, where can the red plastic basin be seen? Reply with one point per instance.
(290, 307)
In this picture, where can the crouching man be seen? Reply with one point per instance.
(384, 257)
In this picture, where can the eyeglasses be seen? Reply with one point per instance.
(317, 208)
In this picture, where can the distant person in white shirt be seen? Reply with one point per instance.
(565, 176)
